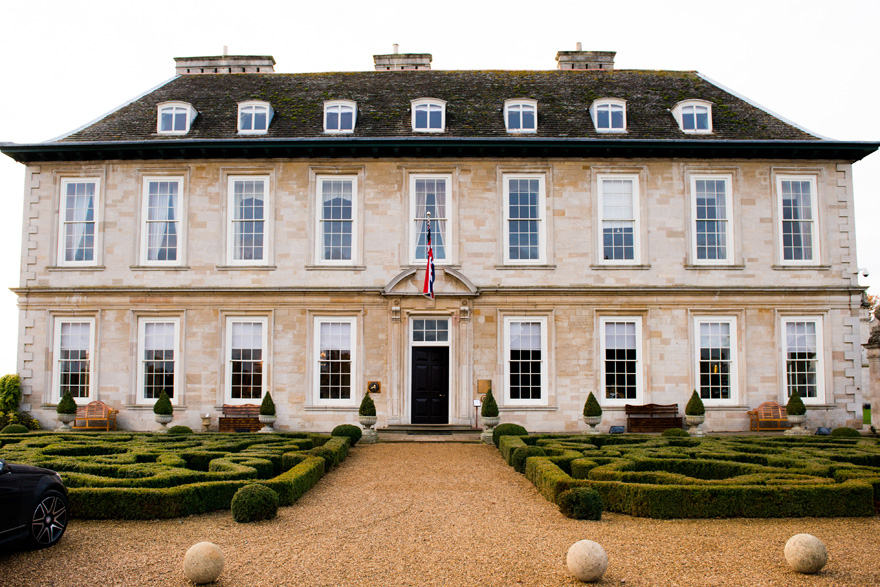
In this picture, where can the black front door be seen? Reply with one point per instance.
(430, 385)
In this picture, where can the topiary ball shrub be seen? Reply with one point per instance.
(328, 454)
(489, 408)
(254, 502)
(350, 430)
(842, 432)
(675, 432)
(795, 405)
(580, 503)
(507, 429)
(518, 460)
(14, 429)
(695, 406)
(180, 430)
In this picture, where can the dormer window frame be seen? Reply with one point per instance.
(329, 105)
(688, 108)
(429, 103)
(190, 113)
(253, 105)
(611, 104)
(520, 104)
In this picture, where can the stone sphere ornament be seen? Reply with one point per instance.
(203, 563)
(805, 553)
(587, 561)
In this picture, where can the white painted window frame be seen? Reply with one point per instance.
(142, 330)
(414, 232)
(56, 357)
(729, 224)
(545, 361)
(440, 343)
(820, 398)
(698, 321)
(227, 384)
(191, 114)
(607, 103)
(814, 222)
(230, 220)
(429, 102)
(255, 104)
(62, 222)
(319, 220)
(521, 103)
(637, 240)
(640, 377)
(316, 361)
(542, 218)
(145, 221)
(330, 104)
(678, 114)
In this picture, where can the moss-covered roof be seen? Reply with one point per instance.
(474, 109)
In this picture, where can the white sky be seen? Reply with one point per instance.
(69, 62)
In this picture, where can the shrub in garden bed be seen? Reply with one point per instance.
(254, 502)
(507, 429)
(846, 433)
(675, 432)
(580, 503)
(14, 429)
(522, 453)
(180, 430)
(350, 430)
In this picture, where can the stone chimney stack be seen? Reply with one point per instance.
(402, 61)
(225, 64)
(592, 60)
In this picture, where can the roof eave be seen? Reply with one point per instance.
(420, 147)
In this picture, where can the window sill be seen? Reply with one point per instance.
(159, 267)
(145, 407)
(540, 267)
(527, 408)
(693, 267)
(331, 408)
(336, 267)
(76, 268)
(611, 131)
(246, 267)
(599, 267)
(801, 267)
(421, 265)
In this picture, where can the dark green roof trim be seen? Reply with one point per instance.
(330, 147)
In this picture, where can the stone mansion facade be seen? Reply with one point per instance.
(638, 234)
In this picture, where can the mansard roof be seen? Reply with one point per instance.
(474, 118)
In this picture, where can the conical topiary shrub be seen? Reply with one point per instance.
(368, 407)
(490, 407)
(592, 409)
(163, 406)
(267, 407)
(795, 405)
(695, 406)
(66, 405)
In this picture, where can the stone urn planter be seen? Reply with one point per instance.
(367, 417)
(163, 419)
(65, 420)
(592, 422)
(489, 423)
(267, 422)
(206, 422)
(693, 423)
(797, 425)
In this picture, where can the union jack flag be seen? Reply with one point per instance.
(428, 290)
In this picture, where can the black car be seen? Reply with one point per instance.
(33, 505)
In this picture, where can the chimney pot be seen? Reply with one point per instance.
(579, 46)
(396, 49)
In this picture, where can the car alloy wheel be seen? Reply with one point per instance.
(49, 520)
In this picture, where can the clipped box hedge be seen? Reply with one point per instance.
(763, 477)
(144, 476)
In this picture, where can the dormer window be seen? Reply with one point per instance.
(339, 116)
(609, 115)
(428, 115)
(254, 117)
(175, 118)
(693, 116)
(521, 115)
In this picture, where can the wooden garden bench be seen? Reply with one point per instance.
(768, 416)
(652, 417)
(240, 418)
(97, 413)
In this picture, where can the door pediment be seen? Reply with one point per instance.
(447, 282)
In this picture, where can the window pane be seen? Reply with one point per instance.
(248, 198)
(430, 197)
(436, 117)
(528, 118)
(715, 360)
(158, 359)
(246, 355)
(513, 118)
(711, 219)
(422, 116)
(618, 223)
(621, 360)
(166, 120)
(79, 222)
(802, 360)
(336, 219)
(74, 363)
(702, 118)
(332, 119)
(617, 117)
(525, 360)
(797, 221)
(603, 119)
(334, 360)
(524, 219)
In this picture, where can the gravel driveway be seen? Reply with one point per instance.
(443, 514)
